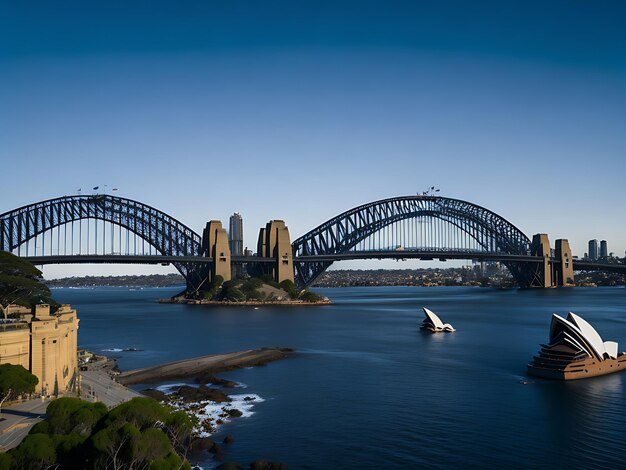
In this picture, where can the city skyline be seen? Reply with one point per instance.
(302, 112)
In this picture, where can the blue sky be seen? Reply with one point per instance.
(301, 110)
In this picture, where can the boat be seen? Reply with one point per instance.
(434, 324)
(576, 351)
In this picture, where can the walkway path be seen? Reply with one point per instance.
(97, 385)
(18, 419)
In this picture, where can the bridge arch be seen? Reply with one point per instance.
(166, 234)
(488, 232)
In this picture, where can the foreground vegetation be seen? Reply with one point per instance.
(20, 283)
(138, 434)
(15, 381)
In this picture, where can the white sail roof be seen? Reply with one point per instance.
(581, 333)
(437, 323)
(611, 348)
(589, 333)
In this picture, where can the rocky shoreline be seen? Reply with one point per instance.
(207, 404)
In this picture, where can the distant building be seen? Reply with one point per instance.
(593, 250)
(235, 234)
(43, 343)
(604, 250)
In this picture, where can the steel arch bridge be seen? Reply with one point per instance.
(423, 225)
(168, 236)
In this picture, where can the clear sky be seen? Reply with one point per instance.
(302, 110)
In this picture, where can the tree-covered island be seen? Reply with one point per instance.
(250, 291)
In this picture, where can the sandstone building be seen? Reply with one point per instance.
(44, 343)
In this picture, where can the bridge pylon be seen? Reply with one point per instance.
(552, 271)
(274, 242)
(563, 273)
(215, 245)
(540, 246)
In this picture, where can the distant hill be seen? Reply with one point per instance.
(151, 280)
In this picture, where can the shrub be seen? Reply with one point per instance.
(309, 296)
(287, 286)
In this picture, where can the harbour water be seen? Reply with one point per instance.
(368, 389)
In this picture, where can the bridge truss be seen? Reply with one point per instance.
(106, 224)
(436, 226)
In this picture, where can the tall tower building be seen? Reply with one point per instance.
(604, 250)
(593, 250)
(235, 234)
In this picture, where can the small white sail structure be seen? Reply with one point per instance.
(578, 335)
(433, 323)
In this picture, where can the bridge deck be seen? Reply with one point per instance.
(351, 255)
(406, 254)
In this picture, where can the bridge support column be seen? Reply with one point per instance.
(274, 242)
(215, 245)
(540, 246)
(564, 270)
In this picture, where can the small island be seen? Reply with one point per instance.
(253, 291)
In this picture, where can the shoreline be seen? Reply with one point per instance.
(197, 367)
(245, 303)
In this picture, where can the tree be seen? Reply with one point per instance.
(250, 288)
(309, 296)
(71, 415)
(140, 433)
(6, 461)
(35, 451)
(230, 292)
(213, 287)
(136, 433)
(180, 431)
(287, 286)
(112, 446)
(15, 381)
(20, 283)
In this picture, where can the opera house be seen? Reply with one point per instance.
(575, 351)
(433, 323)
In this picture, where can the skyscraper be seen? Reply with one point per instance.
(593, 250)
(604, 250)
(235, 234)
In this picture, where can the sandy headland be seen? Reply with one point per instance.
(202, 366)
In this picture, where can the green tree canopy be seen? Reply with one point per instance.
(71, 415)
(231, 292)
(6, 461)
(36, 451)
(287, 286)
(140, 433)
(20, 282)
(15, 380)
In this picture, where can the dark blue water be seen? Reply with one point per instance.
(368, 389)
